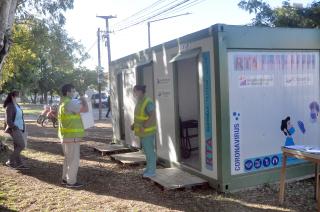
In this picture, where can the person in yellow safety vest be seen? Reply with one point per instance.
(144, 127)
(70, 132)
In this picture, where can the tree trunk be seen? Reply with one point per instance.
(7, 14)
(34, 100)
(51, 97)
(45, 97)
(41, 99)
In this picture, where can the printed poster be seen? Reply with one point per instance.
(207, 110)
(274, 102)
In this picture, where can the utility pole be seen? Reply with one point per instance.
(106, 18)
(149, 38)
(149, 22)
(99, 74)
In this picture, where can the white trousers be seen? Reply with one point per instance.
(71, 162)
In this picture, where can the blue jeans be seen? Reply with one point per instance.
(148, 144)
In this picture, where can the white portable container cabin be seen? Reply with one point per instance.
(220, 96)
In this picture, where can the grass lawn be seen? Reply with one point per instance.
(32, 111)
(28, 109)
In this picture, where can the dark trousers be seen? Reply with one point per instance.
(18, 146)
(109, 109)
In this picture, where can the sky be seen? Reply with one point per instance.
(82, 24)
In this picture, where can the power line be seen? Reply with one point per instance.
(153, 16)
(182, 8)
(145, 15)
(176, 10)
(173, 11)
(91, 47)
(140, 11)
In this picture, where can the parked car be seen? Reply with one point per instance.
(95, 100)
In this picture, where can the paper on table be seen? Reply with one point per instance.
(298, 147)
(87, 118)
(308, 149)
(314, 151)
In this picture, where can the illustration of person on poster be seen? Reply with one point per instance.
(288, 130)
(314, 111)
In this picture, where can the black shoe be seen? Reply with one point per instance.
(64, 182)
(21, 167)
(76, 185)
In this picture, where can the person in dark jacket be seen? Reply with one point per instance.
(109, 107)
(15, 126)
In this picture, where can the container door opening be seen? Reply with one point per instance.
(145, 77)
(120, 105)
(188, 114)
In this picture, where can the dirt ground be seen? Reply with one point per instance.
(112, 187)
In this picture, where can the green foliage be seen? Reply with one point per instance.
(82, 78)
(263, 11)
(43, 57)
(284, 16)
(20, 69)
(49, 10)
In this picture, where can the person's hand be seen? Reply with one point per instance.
(14, 128)
(82, 98)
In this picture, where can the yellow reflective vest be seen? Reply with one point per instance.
(140, 117)
(70, 125)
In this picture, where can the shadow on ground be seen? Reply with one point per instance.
(104, 177)
(4, 209)
(127, 184)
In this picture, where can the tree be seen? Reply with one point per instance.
(20, 70)
(49, 11)
(82, 78)
(285, 16)
(42, 58)
(7, 13)
(58, 57)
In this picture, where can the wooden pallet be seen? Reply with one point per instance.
(131, 158)
(174, 178)
(108, 149)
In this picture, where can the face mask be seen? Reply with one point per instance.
(291, 130)
(18, 100)
(135, 95)
(75, 95)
